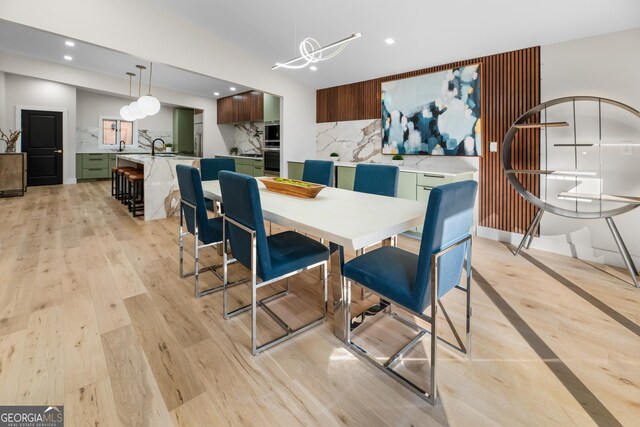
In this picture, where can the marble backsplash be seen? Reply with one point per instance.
(249, 137)
(361, 141)
(88, 140)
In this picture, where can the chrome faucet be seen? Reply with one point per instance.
(153, 145)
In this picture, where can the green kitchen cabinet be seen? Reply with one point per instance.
(91, 166)
(346, 176)
(407, 185)
(271, 108)
(183, 130)
(295, 170)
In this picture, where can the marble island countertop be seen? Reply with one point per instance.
(90, 150)
(442, 170)
(148, 158)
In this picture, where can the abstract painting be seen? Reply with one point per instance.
(434, 114)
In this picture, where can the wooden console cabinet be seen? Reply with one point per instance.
(13, 174)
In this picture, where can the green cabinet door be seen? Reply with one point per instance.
(271, 108)
(183, 130)
(407, 185)
(295, 170)
(346, 176)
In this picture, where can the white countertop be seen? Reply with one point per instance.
(240, 156)
(442, 170)
(107, 151)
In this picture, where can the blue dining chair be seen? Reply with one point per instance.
(318, 172)
(206, 231)
(377, 179)
(271, 258)
(209, 169)
(415, 282)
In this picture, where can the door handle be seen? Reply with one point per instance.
(57, 151)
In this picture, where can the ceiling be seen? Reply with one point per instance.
(426, 32)
(50, 47)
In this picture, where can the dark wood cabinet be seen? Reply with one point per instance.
(243, 107)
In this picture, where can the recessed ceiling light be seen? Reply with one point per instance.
(69, 43)
(232, 89)
(389, 41)
(216, 93)
(68, 57)
(313, 68)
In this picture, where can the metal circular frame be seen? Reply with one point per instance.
(522, 190)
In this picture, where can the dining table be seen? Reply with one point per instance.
(346, 219)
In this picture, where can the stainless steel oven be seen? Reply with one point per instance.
(272, 162)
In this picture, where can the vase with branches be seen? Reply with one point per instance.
(10, 139)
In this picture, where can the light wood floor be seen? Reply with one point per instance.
(93, 315)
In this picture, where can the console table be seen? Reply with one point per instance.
(13, 174)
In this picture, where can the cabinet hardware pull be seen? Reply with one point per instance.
(428, 175)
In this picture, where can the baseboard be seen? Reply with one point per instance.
(558, 245)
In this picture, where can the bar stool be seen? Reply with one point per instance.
(135, 192)
(120, 181)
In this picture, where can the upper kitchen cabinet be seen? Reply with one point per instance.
(250, 106)
(271, 108)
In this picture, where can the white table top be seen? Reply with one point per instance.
(348, 218)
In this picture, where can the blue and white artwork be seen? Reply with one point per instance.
(434, 114)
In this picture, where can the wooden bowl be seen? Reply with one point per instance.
(307, 192)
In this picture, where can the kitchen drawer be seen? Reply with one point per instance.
(433, 179)
(346, 177)
(95, 173)
(92, 162)
(295, 170)
(258, 171)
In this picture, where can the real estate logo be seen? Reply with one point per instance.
(32, 416)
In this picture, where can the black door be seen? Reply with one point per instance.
(42, 141)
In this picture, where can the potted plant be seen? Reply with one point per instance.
(397, 160)
(168, 147)
(234, 151)
(334, 156)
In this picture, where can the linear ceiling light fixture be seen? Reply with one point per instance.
(311, 52)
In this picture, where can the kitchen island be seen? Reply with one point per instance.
(161, 192)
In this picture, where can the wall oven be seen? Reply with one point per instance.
(272, 135)
(272, 162)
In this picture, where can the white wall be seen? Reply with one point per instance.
(604, 66)
(31, 93)
(164, 37)
(3, 124)
(91, 105)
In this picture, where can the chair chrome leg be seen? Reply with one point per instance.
(254, 269)
(196, 271)
(434, 332)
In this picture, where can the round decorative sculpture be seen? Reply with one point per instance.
(577, 143)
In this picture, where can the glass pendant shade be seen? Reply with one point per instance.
(149, 105)
(126, 114)
(135, 111)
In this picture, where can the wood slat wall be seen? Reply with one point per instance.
(510, 86)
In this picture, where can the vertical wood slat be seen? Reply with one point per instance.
(510, 86)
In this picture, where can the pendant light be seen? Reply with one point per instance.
(134, 109)
(124, 111)
(149, 104)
